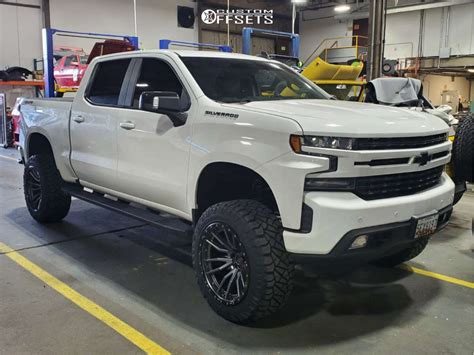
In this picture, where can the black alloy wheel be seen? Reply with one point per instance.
(225, 263)
(33, 188)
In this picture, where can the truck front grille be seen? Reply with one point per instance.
(399, 142)
(384, 186)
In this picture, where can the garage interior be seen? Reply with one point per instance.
(100, 282)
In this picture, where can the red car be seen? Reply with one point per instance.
(69, 70)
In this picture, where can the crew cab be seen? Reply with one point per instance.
(255, 163)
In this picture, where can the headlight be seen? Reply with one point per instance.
(297, 142)
(328, 142)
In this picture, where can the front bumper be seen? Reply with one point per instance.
(338, 215)
(383, 240)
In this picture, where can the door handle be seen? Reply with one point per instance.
(127, 125)
(78, 119)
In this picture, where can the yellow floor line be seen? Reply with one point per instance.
(131, 334)
(442, 277)
(9, 158)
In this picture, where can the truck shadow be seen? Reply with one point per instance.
(157, 269)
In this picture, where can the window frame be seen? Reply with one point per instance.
(123, 88)
(135, 74)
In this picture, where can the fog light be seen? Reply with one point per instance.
(360, 242)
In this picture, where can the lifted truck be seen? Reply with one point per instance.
(252, 159)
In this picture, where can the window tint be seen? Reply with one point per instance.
(107, 82)
(156, 75)
(69, 60)
(241, 80)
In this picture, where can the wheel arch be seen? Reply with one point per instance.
(38, 143)
(224, 181)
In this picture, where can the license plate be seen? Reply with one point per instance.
(426, 226)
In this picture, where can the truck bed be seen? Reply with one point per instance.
(49, 117)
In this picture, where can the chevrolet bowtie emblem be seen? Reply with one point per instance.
(422, 159)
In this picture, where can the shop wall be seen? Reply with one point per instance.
(402, 31)
(433, 85)
(313, 32)
(156, 20)
(20, 28)
(20, 37)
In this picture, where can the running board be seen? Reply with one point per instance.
(170, 224)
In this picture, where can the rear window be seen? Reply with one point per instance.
(107, 82)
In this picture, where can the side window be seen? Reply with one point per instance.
(69, 60)
(107, 82)
(156, 75)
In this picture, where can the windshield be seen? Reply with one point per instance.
(241, 80)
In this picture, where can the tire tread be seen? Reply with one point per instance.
(55, 203)
(276, 264)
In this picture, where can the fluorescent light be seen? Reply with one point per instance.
(471, 70)
(342, 8)
(299, 1)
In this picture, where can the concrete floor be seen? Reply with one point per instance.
(145, 278)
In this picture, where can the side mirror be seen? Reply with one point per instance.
(165, 102)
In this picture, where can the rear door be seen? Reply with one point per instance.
(153, 154)
(95, 116)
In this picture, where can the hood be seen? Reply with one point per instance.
(350, 119)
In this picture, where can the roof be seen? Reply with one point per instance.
(188, 53)
(207, 54)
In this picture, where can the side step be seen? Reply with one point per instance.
(170, 224)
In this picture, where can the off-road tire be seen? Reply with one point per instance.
(54, 204)
(404, 255)
(463, 147)
(270, 268)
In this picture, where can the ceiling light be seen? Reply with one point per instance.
(342, 8)
(471, 70)
(299, 1)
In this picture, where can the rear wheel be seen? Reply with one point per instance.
(242, 267)
(42, 184)
(404, 255)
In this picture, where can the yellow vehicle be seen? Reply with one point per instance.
(342, 81)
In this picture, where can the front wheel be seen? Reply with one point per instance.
(42, 183)
(241, 264)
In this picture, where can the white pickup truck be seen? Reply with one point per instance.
(257, 163)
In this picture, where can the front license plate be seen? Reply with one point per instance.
(426, 226)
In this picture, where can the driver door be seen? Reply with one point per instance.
(152, 153)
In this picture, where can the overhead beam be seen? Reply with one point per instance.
(18, 4)
(434, 5)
